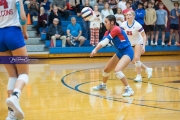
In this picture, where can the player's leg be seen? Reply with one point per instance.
(12, 72)
(122, 64)
(22, 70)
(105, 72)
(137, 62)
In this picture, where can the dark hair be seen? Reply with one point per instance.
(161, 3)
(150, 3)
(176, 3)
(128, 3)
(111, 18)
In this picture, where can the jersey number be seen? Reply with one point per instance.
(4, 3)
(129, 32)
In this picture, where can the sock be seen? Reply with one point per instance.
(126, 87)
(18, 92)
(103, 83)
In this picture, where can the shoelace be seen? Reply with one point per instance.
(15, 93)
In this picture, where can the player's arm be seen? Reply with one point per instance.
(144, 38)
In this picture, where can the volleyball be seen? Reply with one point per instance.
(87, 13)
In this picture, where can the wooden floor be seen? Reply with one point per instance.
(61, 89)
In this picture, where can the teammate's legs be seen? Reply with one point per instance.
(122, 64)
(105, 72)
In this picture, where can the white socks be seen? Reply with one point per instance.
(18, 91)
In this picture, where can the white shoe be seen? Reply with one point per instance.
(99, 87)
(163, 44)
(128, 92)
(149, 72)
(152, 43)
(11, 116)
(13, 103)
(138, 78)
(155, 43)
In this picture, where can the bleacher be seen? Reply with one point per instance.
(86, 48)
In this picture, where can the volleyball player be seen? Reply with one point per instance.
(137, 37)
(12, 16)
(121, 59)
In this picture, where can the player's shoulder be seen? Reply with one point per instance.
(124, 24)
(137, 24)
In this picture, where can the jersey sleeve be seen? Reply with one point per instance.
(139, 27)
(114, 32)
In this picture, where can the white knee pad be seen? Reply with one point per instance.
(24, 77)
(11, 83)
(120, 74)
(105, 74)
(138, 63)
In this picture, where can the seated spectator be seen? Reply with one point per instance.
(119, 17)
(91, 2)
(113, 5)
(95, 23)
(54, 14)
(46, 4)
(86, 24)
(140, 14)
(100, 5)
(74, 32)
(33, 7)
(42, 21)
(122, 5)
(55, 32)
(26, 2)
(128, 8)
(174, 23)
(61, 5)
(75, 5)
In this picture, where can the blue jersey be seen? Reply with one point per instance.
(118, 37)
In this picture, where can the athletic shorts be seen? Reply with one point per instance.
(126, 51)
(149, 28)
(160, 28)
(174, 26)
(11, 38)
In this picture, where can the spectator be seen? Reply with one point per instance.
(91, 2)
(95, 26)
(86, 24)
(47, 6)
(100, 5)
(174, 23)
(55, 32)
(42, 21)
(33, 7)
(140, 14)
(104, 13)
(135, 4)
(145, 5)
(119, 17)
(61, 5)
(54, 14)
(128, 8)
(161, 23)
(150, 19)
(154, 4)
(75, 5)
(113, 5)
(122, 5)
(74, 32)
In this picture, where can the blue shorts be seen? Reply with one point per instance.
(11, 38)
(126, 51)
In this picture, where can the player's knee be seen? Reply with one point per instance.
(105, 74)
(120, 75)
(24, 77)
(11, 83)
(138, 63)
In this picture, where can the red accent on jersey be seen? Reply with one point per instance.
(129, 32)
(4, 3)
